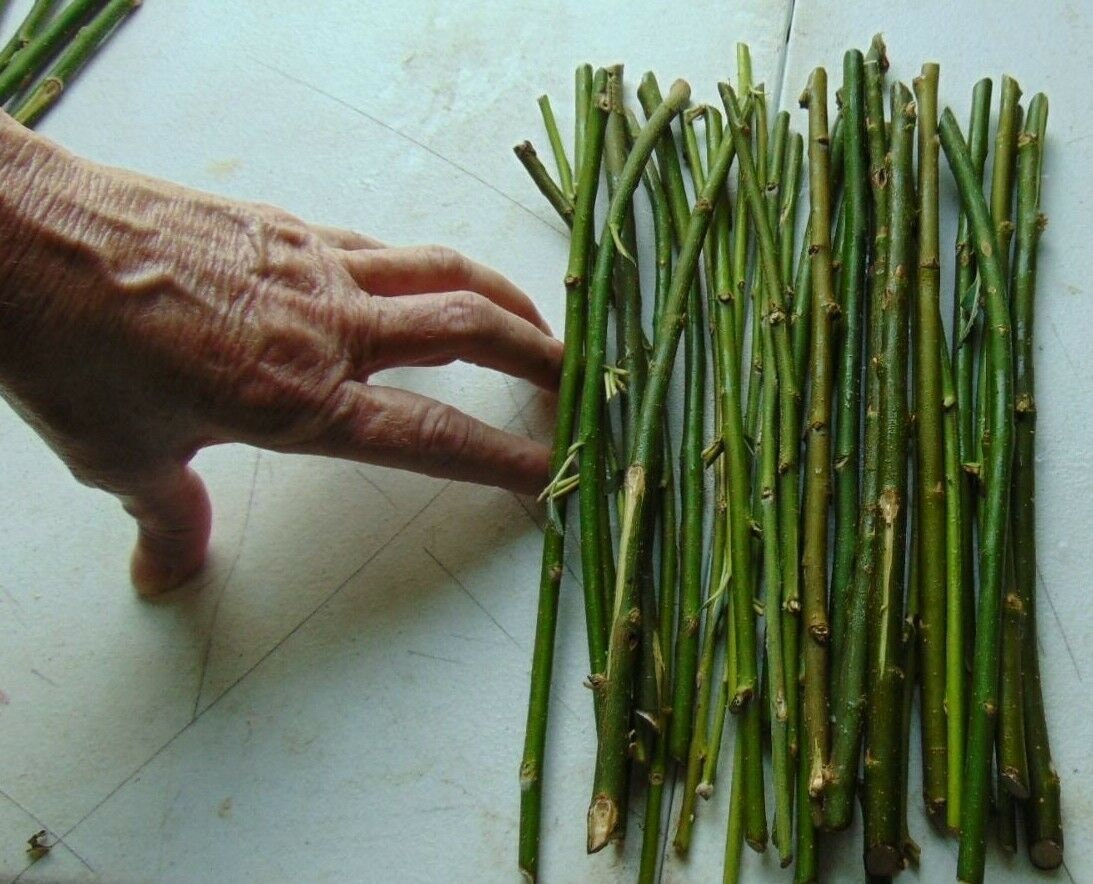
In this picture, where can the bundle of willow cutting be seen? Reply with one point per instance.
(872, 518)
(71, 36)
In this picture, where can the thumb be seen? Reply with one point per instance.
(174, 518)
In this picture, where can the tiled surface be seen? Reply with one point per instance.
(341, 695)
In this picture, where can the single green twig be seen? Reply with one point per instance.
(930, 473)
(26, 63)
(755, 373)
(993, 538)
(87, 42)
(817, 483)
(882, 793)
(553, 565)
(604, 816)
(561, 161)
(1043, 818)
(909, 652)
(33, 22)
(848, 687)
(529, 159)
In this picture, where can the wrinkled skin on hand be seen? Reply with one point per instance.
(141, 321)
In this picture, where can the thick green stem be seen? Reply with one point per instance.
(613, 686)
(87, 42)
(26, 64)
(529, 159)
(1012, 758)
(1043, 818)
(755, 373)
(553, 565)
(993, 539)
(33, 22)
(848, 683)
(817, 484)
(930, 474)
(912, 610)
(882, 793)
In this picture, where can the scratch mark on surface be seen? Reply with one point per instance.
(45, 678)
(434, 657)
(16, 608)
(360, 472)
(222, 591)
(1068, 874)
(377, 121)
(471, 596)
(1062, 346)
(1058, 622)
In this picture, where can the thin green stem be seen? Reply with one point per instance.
(529, 159)
(87, 42)
(817, 483)
(553, 565)
(993, 539)
(561, 161)
(604, 816)
(930, 474)
(582, 97)
(882, 793)
(33, 22)
(27, 62)
(1043, 819)
(851, 566)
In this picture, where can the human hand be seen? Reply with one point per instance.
(141, 321)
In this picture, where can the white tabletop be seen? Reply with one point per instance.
(341, 694)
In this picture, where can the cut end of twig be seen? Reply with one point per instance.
(883, 860)
(603, 821)
(679, 94)
(1046, 854)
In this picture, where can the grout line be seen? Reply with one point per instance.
(40, 822)
(260, 661)
(223, 591)
(791, 18)
(394, 131)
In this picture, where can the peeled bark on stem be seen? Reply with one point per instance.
(553, 565)
(998, 473)
(608, 792)
(87, 42)
(26, 63)
(1043, 816)
(529, 159)
(817, 484)
(881, 796)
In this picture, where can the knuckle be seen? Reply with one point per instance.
(444, 433)
(448, 263)
(465, 315)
